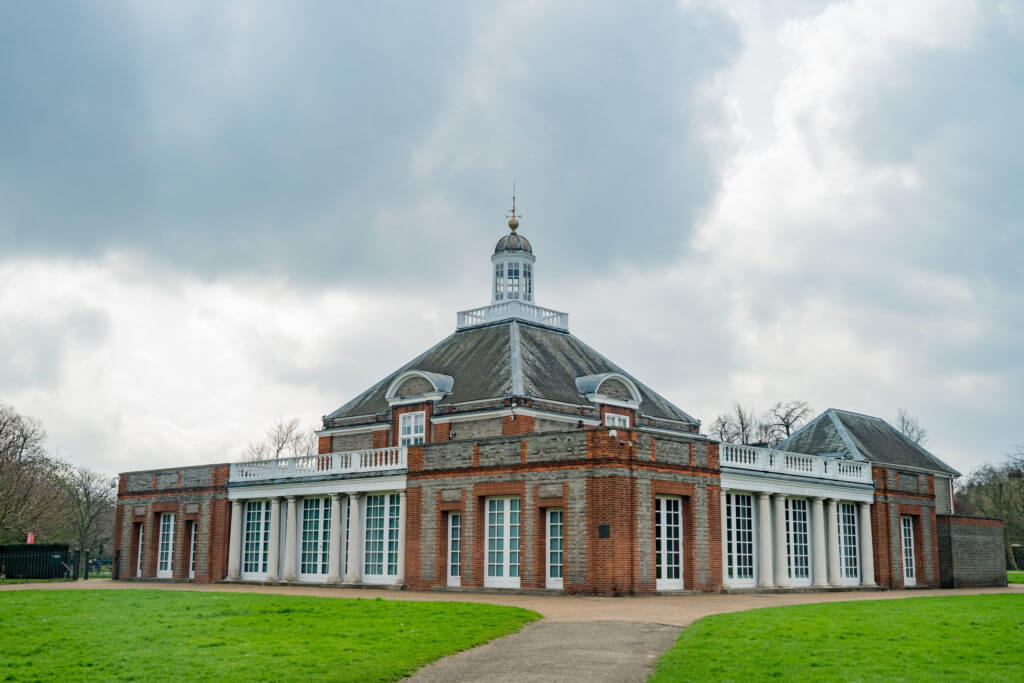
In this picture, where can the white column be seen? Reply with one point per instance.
(725, 549)
(400, 579)
(235, 542)
(867, 554)
(334, 545)
(832, 536)
(764, 541)
(274, 544)
(818, 552)
(781, 559)
(355, 538)
(290, 538)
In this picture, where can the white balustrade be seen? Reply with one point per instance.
(507, 310)
(786, 462)
(372, 460)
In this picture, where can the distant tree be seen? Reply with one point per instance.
(998, 491)
(723, 428)
(30, 479)
(911, 428)
(90, 503)
(782, 419)
(284, 439)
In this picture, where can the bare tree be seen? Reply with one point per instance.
(284, 439)
(911, 428)
(90, 505)
(723, 428)
(782, 419)
(30, 479)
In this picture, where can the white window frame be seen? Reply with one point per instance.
(192, 552)
(616, 421)
(798, 541)
(849, 545)
(412, 428)
(554, 544)
(527, 275)
(499, 281)
(740, 534)
(907, 545)
(380, 541)
(503, 538)
(513, 275)
(314, 539)
(255, 540)
(165, 547)
(669, 550)
(455, 550)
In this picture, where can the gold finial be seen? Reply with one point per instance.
(513, 217)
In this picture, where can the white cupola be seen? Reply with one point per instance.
(513, 261)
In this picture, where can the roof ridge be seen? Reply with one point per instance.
(845, 435)
(515, 359)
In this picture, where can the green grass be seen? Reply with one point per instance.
(1015, 577)
(974, 637)
(186, 635)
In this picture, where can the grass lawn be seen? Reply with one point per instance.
(186, 635)
(1015, 577)
(975, 637)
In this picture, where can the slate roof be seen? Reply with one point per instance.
(511, 358)
(865, 438)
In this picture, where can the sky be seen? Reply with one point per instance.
(217, 214)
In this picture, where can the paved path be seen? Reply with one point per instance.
(582, 638)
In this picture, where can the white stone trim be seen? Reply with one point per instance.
(390, 483)
(741, 482)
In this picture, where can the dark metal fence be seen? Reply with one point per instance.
(18, 565)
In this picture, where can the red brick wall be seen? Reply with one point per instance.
(426, 408)
(324, 445)
(522, 424)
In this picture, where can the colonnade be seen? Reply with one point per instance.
(353, 570)
(772, 557)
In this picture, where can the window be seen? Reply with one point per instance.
(454, 549)
(555, 537)
(617, 421)
(848, 562)
(502, 542)
(380, 549)
(316, 537)
(499, 281)
(668, 543)
(909, 574)
(165, 549)
(798, 540)
(527, 282)
(412, 428)
(739, 538)
(256, 538)
(513, 280)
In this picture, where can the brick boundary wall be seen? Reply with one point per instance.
(972, 551)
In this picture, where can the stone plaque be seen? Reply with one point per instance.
(140, 510)
(192, 508)
(549, 491)
(451, 495)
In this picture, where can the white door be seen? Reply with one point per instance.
(192, 553)
(798, 542)
(502, 543)
(454, 549)
(165, 549)
(380, 549)
(256, 539)
(909, 575)
(555, 556)
(668, 543)
(138, 559)
(315, 543)
(740, 549)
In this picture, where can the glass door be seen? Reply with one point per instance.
(909, 573)
(454, 549)
(165, 550)
(502, 543)
(849, 563)
(668, 544)
(739, 539)
(315, 547)
(255, 539)
(380, 549)
(555, 555)
(798, 542)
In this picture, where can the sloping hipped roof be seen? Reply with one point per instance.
(512, 358)
(865, 438)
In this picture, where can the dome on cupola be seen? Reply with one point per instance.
(513, 242)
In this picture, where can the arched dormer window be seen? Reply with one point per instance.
(418, 386)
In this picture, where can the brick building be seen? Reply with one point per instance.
(511, 455)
